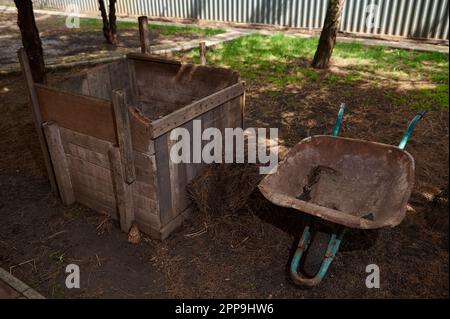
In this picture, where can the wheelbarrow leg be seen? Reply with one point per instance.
(332, 249)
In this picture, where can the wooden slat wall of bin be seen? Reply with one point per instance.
(82, 110)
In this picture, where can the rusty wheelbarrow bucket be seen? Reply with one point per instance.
(348, 183)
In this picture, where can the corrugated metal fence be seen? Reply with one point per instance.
(405, 18)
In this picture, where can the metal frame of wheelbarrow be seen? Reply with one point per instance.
(336, 236)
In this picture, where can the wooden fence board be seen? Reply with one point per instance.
(122, 190)
(59, 162)
(83, 114)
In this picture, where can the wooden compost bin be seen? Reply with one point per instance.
(107, 133)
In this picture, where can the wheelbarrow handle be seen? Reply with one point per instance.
(410, 128)
(337, 125)
(333, 247)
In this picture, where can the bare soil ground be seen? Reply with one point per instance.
(240, 255)
(77, 44)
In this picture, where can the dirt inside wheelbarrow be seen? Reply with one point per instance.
(230, 255)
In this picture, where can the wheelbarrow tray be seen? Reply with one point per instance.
(358, 184)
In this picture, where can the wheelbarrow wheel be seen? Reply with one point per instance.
(316, 253)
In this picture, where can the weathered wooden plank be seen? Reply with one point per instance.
(150, 220)
(230, 116)
(187, 82)
(207, 119)
(37, 118)
(163, 179)
(144, 161)
(190, 169)
(145, 169)
(202, 50)
(95, 193)
(123, 191)
(99, 82)
(76, 84)
(133, 98)
(175, 181)
(87, 155)
(144, 175)
(145, 204)
(98, 178)
(59, 161)
(146, 190)
(242, 104)
(144, 34)
(141, 131)
(93, 183)
(95, 151)
(153, 79)
(167, 229)
(155, 109)
(98, 164)
(140, 134)
(118, 75)
(195, 109)
(83, 114)
(120, 79)
(151, 58)
(85, 141)
(87, 168)
(122, 123)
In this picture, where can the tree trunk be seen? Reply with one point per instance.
(104, 19)
(328, 35)
(112, 21)
(30, 38)
(109, 24)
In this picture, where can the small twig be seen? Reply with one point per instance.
(55, 234)
(101, 224)
(197, 233)
(24, 263)
(98, 260)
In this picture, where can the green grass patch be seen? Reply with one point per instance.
(279, 60)
(425, 98)
(439, 77)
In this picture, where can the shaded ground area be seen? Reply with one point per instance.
(87, 42)
(245, 254)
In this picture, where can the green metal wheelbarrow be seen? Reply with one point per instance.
(340, 183)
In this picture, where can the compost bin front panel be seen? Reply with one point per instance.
(173, 178)
(86, 126)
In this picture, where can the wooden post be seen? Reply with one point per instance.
(123, 130)
(123, 191)
(242, 102)
(133, 84)
(36, 114)
(144, 34)
(59, 160)
(202, 49)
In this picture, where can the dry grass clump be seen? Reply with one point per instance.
(223, 189)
